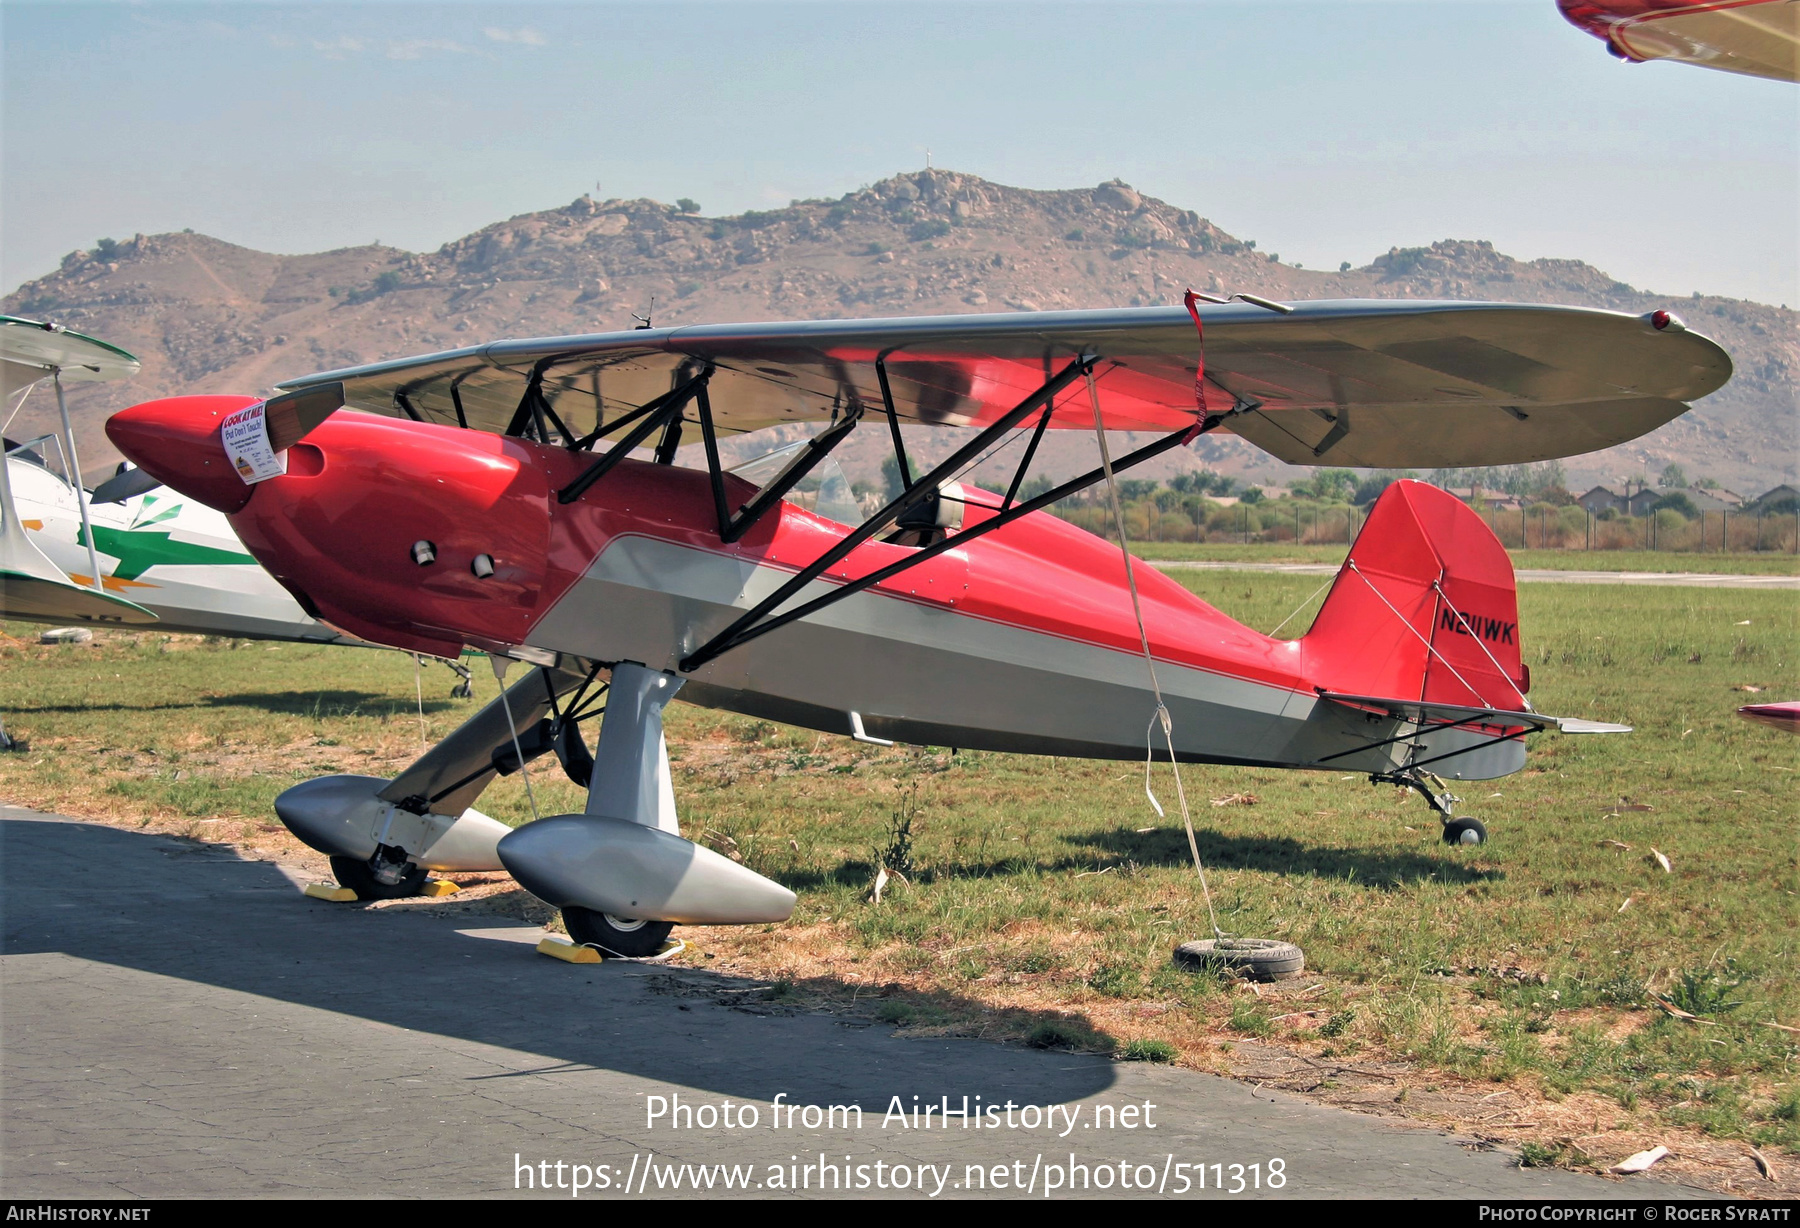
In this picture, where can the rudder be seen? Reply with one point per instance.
(1425, 607)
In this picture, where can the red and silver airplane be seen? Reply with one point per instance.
(490, 497)
(1758, 38)
(1784, 716)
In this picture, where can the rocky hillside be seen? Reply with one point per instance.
(206, 316)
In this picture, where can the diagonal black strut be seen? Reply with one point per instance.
(809, 458)
(745, 628)
(893, 417)
(1467, 722)
(1511, 737)
(714, 648)
(741, 632)
(655, 413)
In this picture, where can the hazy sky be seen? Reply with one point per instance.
(1324, 131)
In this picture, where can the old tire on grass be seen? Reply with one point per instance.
(359, 876)
(616, 935)
(1254, 959)
(1465, 831)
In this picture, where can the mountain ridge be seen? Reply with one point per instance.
(205, 315)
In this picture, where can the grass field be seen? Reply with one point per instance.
(1046, 895)
(1742, 564)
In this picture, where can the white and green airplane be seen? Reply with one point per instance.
(161, 559)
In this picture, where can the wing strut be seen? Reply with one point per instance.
(748, 627)
(654, 414)
(731, 528)
(733, 636)
(887, 399)
(745, 628)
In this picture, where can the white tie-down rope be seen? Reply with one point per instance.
(419, 689)
(1161, 715)
(500, 663)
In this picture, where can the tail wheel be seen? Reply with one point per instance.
(379, 879)
(624, 936)
(1465, 831)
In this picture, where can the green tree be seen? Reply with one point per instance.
(890, 478)
(1336, 485)
(1369, 489)
(1673, 477)
(1675, 501)
(684, 205)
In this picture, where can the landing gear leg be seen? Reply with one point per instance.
(465, 681)
(388, 875)
(1457, 831)
(629, 780)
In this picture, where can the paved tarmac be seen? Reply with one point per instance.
(1529, 575)
(178, 1022)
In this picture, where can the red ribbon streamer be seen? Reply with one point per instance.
(1192, 302)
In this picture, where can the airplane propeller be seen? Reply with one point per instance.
(292, 415)
(127, 483)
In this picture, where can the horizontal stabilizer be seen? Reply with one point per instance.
(1571, 724)
(1421, 712)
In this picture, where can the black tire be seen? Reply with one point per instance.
(1255, 959)
(359, 876)
(1465, 831)
(616, 935)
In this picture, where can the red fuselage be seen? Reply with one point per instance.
(1025, 641)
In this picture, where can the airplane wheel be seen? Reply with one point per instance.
(360, 877)
(619, 935)
(1465, 831)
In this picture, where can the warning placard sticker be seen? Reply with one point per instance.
(245, 435)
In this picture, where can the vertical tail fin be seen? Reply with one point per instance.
(1425, 608)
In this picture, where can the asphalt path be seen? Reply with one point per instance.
(176, 1021)
(1529, 575)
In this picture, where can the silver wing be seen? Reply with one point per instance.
(1365, 383)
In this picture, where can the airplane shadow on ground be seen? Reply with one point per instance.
(283, 703)
(160, 905)
(326, 703)
(1382, 869)
(1284, 855)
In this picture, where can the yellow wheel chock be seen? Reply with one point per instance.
(329, 891)
(569, 952)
